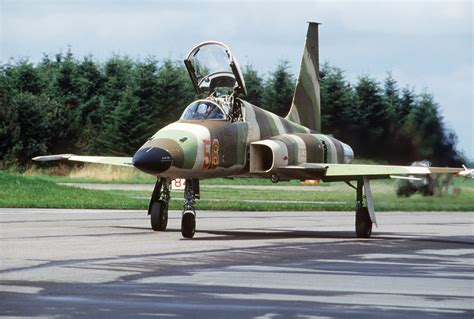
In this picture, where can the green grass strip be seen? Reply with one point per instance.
(28, 191)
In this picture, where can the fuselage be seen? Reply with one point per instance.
(202, 147)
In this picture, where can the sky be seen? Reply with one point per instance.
(426, 45)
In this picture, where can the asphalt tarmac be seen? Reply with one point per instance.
(58, 263)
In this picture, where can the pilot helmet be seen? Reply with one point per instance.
(202, 108)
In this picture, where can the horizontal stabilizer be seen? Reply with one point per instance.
(110, 160)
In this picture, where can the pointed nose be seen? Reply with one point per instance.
(152, 160)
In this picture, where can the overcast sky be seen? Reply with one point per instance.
(425, 44)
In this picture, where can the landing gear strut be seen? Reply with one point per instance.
(188, 221)
(158, 208)
(363, 223)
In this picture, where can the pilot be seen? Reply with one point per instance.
(201, 112)
(215, 113)
(207, 111)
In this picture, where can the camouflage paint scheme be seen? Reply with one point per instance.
(191, 142)
(259, 143)
(306, 105)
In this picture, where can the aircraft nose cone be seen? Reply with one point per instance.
(152, 160)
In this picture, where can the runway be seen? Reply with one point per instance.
(110, 264)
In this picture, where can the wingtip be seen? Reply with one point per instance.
(46, 158)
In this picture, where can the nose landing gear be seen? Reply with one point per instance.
(158, 207)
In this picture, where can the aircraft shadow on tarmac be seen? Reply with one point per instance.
(385, 237)
(262, 234)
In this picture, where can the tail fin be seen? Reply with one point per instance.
(306, 105)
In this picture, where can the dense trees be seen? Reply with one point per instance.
(381, 123)
(66, 105)
(339, 112)
(279, 88)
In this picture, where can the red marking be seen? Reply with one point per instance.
(207, 154)
(215, 153)
(211, 154)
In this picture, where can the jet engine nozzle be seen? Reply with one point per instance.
(152, 160)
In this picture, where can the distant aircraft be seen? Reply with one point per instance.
(225, 136)
(424, 184)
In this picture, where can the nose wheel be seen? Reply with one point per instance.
(188, 220)
(188, 224)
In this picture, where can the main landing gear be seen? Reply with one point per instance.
(363, 222)
(158, 208)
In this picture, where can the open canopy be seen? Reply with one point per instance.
(211, 65)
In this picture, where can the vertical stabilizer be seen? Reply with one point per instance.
(306, 105)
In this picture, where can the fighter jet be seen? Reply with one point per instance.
(223, 135)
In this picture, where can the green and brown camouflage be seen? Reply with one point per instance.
(306, 106)
(241, 139)
(208, 148)
(203, 148)
(258, 142)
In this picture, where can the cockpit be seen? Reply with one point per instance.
(213, 70)
(203, 110)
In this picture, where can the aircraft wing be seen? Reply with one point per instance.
(347, 172)
(111, 160)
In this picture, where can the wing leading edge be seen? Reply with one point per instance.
(347, 172)
(111, 160)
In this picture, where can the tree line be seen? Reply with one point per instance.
(68, 105)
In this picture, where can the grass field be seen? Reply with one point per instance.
(43, 191)
(109, 174)
(90, 173)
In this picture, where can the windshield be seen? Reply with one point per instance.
(210, 59)
(203, 110)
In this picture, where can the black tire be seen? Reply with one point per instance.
(188, 224)
(159, 215)
(363, 223)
